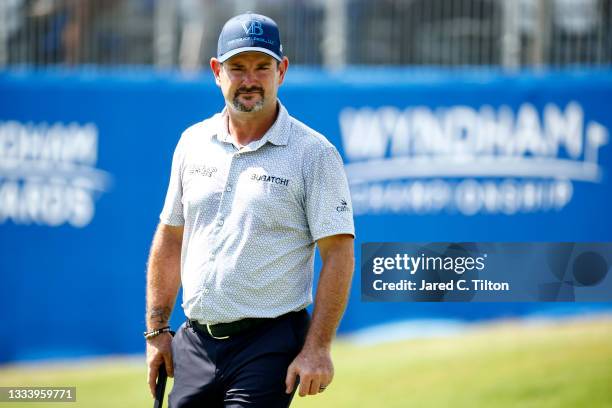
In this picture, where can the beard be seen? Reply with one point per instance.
(239, 106)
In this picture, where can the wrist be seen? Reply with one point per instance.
(148, 335)
(157, 317)
(157, 326)
(313, 344)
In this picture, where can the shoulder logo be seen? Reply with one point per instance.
(343, 206)
(253, 27)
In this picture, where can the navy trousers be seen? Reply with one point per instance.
(246, 370)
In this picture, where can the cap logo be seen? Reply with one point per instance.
(253, 28)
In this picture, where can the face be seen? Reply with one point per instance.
(250, 80)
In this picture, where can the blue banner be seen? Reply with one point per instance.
(431, 156)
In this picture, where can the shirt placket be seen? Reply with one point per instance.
(232, 172)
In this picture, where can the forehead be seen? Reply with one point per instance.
(250, 57)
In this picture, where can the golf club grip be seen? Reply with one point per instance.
(160, 388)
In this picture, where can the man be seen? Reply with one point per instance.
(251, 191)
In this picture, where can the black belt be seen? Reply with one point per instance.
(225, 330)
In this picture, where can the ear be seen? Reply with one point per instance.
(282, 68)
(216, 67)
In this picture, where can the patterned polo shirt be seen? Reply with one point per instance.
(252, 216)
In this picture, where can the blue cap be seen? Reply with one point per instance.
(249, 32)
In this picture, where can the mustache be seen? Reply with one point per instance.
(249, 90)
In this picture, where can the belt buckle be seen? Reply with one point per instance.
(213, 336)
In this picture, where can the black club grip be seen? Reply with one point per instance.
(160, 388)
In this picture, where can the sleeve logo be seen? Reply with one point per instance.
(343, 207)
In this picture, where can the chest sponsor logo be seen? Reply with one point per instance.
(266, 178)
(202, 170)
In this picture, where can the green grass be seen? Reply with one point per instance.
(565, 364)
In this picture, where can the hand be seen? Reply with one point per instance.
(159, 351)
(315, 369)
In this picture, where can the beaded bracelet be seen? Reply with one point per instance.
(157, 332)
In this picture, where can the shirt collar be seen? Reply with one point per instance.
(277, 134)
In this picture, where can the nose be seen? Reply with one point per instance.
(249, 79)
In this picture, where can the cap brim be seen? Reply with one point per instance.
(240, 50)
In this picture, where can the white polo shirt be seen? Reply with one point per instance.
(251, 216)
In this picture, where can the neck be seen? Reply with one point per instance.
(246, 127)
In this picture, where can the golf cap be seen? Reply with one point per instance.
(249, 32)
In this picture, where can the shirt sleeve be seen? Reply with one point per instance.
(328, 200)
(172, 213)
